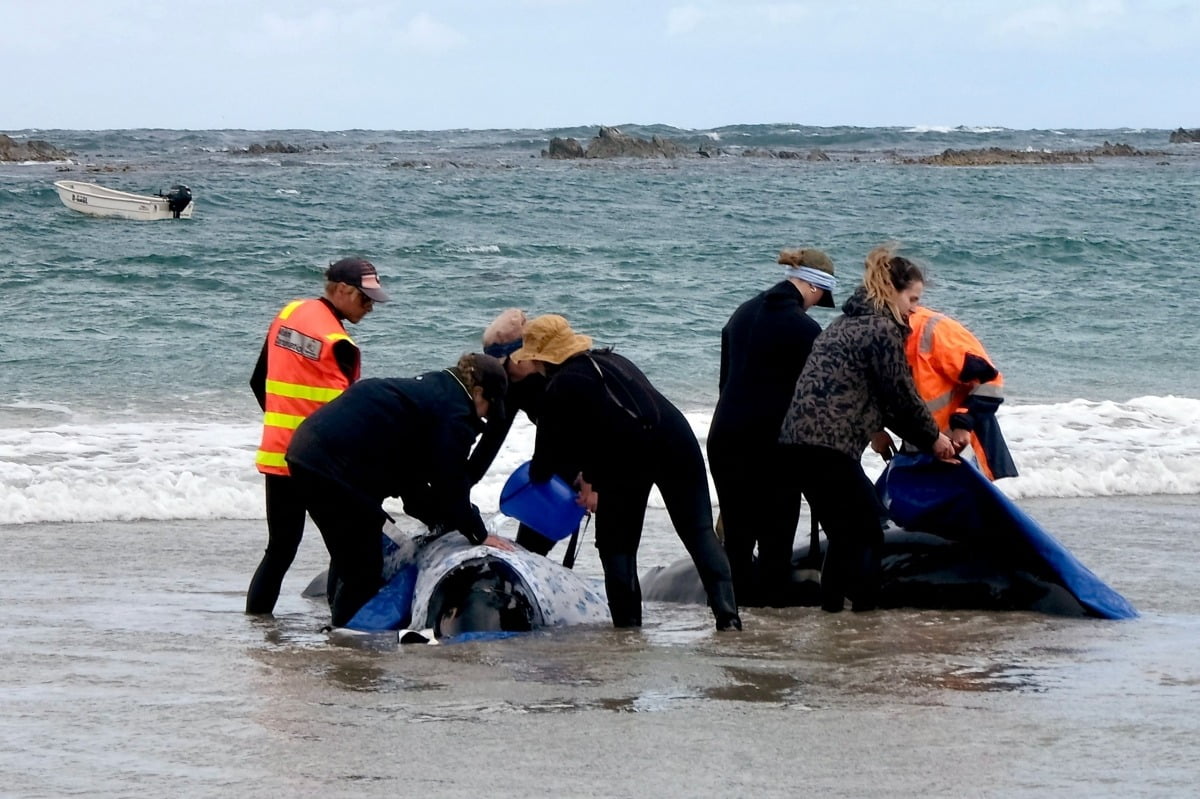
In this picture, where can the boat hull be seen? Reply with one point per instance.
(95, 200)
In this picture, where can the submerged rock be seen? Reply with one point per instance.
(993, 156)
(1185, 136)
(278, 147)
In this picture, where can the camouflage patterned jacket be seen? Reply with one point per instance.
(856, 382)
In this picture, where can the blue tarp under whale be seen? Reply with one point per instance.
(956, 502)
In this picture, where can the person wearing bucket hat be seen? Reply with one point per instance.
(763, 349)
(306, 358)
(855, 383)
(389, 437)
(605, 429)
(526, 386)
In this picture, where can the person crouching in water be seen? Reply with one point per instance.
(857, 381)
(389, 437)
(605, 428)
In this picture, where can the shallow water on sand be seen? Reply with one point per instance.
(130, 668)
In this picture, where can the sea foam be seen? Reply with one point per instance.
(92, 472)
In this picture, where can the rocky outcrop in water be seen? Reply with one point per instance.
(786, 155)
(564, 148)
(612, 143)
(1184, 136)
(278, 147)
(998, 156)
(30, 150)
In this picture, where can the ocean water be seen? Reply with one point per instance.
(125, 348)
(131, 514)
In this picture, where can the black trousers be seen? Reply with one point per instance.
(844, 499)
(676, 465)
(351, 526)
(758, 490)
(285, 529)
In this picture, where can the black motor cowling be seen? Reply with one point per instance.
(178, 198)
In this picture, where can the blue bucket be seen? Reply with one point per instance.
(547, 507)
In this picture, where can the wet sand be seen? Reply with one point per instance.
(129, 669)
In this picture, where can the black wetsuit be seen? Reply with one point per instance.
(405, 437)
(523, 395)
(601, 417)
(285, 504)
(763, 349)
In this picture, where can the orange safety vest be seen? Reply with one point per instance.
(937, 351)
(302, 375)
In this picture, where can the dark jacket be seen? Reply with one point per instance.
(523, 395)
(763, 349)
(600, 416)
(405, 437)
(856, 382)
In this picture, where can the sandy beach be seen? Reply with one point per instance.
(130, 669)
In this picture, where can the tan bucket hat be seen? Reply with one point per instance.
(549, 338)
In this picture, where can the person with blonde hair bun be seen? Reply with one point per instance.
(764, 346)
(856, 382)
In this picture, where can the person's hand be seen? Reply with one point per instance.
(961, 439)
(943, 448)
(882, 443)
(587, 498)
(497, 542)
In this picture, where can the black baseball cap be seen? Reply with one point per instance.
(360, 273)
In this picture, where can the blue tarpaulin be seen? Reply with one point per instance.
(957, 502)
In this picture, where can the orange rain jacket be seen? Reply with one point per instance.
(960, 386)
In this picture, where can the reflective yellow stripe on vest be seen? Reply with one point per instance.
(276, 459)
(288, 421)
(291, 306)
(299, 391)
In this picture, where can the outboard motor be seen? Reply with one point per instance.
(178, 198)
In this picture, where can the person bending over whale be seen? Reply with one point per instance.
(856, 382)
(388, 437)
(960, 386)
(605, 426)
(502, 338)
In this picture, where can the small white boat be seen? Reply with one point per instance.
(97, 200)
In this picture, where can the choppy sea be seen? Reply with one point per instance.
(127, 432)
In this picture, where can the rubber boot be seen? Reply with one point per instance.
(867, 579)
(623, 589)
(724, 606)
(833, 580)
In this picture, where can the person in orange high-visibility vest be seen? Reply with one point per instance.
(307, 359)
(960, 386)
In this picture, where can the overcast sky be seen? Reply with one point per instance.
(438, 64)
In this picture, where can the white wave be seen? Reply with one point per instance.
(712, 134)
(288, 191)
(87, 471)
(476, 249)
